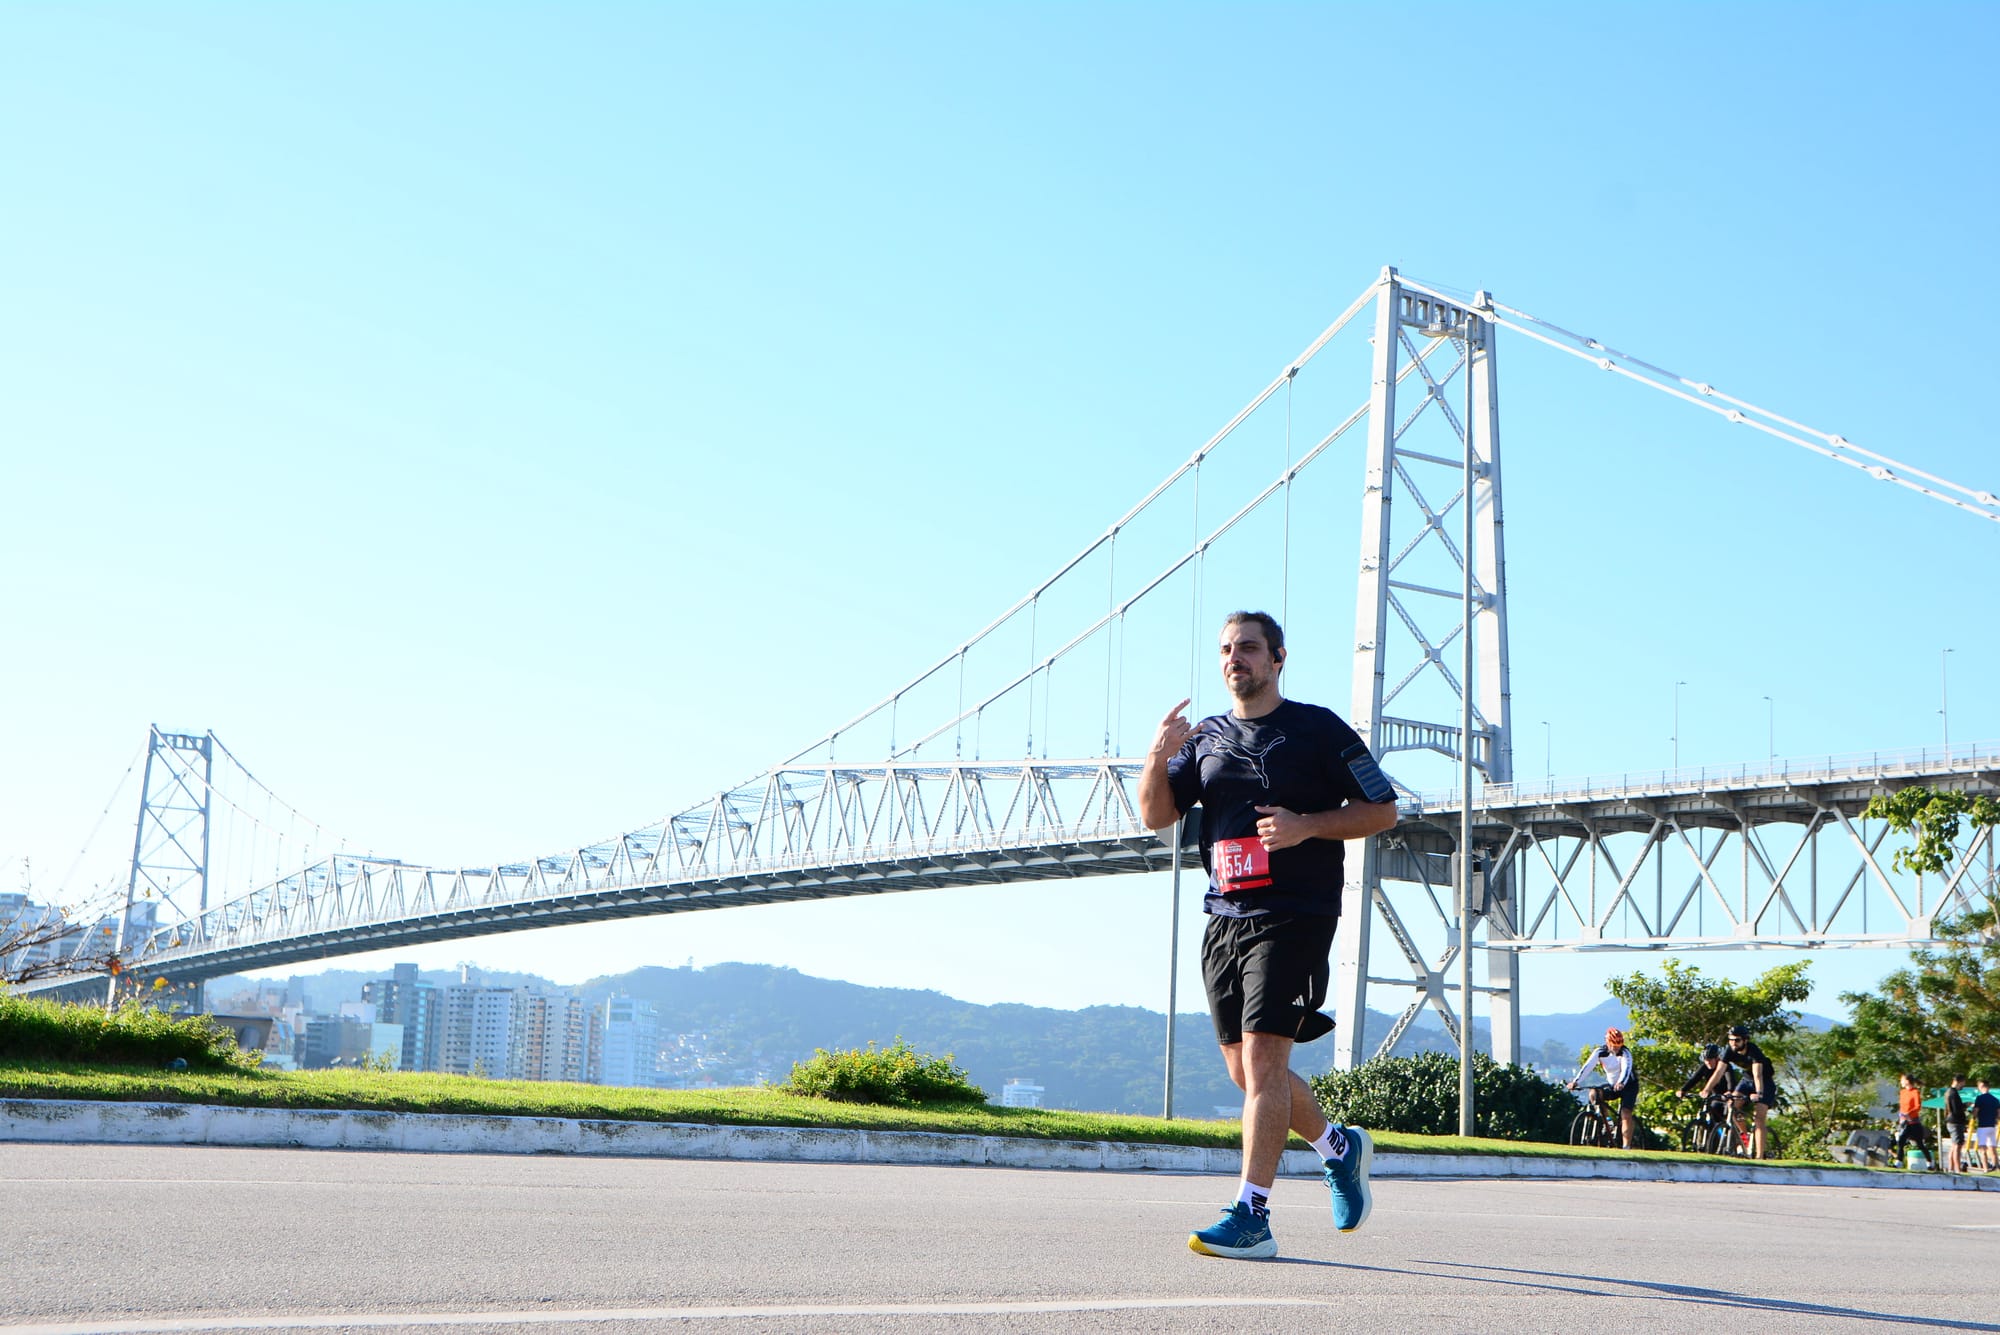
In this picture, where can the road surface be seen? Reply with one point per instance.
(131, 1239)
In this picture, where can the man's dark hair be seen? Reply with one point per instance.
(1274, 634)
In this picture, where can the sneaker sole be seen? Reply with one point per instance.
(1367, 1147)
(1262, 1251)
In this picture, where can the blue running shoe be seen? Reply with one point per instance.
(1348, 1178)
(1240, 1233)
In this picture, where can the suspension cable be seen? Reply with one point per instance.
(1984, 504)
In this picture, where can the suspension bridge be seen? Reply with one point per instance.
(1012, 758)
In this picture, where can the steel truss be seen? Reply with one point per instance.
(1761, 858)
(794, 833)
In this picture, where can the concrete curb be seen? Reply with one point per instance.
(82, 1121)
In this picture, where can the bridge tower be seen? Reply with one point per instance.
(170, 845)
(1409, 692)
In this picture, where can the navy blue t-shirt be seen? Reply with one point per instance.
(1298, 756)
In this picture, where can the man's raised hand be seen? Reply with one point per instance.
(1173, 731)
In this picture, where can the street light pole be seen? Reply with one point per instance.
(1548, 755)
(1770, 732)
(1677, 723)
(1944, 699)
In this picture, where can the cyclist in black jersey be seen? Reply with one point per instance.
(1757, 1083)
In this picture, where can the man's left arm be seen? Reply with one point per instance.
(1279, 827)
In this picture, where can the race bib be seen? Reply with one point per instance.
(1240, 864)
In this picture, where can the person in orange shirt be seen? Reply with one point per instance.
(1909, 1114)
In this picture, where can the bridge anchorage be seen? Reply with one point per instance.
(1008, 758)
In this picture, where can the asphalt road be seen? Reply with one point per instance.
(114, 1238)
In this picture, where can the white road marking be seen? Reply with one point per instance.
(352, 1321)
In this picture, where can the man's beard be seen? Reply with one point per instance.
(1247, 684)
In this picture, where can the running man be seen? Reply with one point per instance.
(1621, 1079)
(1281, 784)
(1758, 1085)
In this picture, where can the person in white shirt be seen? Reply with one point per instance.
(1621, 1079)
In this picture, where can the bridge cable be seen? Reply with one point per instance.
(1361, 303)
(62, 886)
(1985, 504)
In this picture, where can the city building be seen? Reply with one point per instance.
(417, 1006)
(479, 1027)
(1021, 1093)
(631, 1048)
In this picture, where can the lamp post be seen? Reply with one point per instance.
(1770, 732)
(1677, 723)
(1944, 699)
(1548, 754)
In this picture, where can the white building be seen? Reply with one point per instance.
(631, 1043)
(1020, 1093)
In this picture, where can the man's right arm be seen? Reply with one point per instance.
(1157, 807)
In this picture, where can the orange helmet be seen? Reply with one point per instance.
(1615, 1036)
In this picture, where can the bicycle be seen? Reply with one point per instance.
(1596, 1126)
(1708, 1131)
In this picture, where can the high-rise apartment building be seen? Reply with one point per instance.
(554, 1037)
(480, 1026)
(631, 1050)
(417, 1006)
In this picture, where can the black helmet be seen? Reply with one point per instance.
(1738, 1031)
(1711, 1052)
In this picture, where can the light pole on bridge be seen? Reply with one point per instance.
(1770, 732)
(1944, 699)
(1677, 723)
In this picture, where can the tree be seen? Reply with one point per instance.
(1934, 816)
(1677, 1012)
(41, 941)
(1941, 1015)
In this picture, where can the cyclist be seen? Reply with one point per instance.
(1757, 1085)
(1702, 1076)
(1621, 1079)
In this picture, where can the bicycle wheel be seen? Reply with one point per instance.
(1580, 1130)
(1608, 1137)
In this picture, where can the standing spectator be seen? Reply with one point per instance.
(1909, 1117)
(1985, 1117)
(1954, 1126)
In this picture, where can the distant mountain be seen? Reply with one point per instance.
(750, 1022)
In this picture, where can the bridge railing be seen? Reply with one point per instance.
(1855, 766)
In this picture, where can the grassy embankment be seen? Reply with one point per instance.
(424, 1093)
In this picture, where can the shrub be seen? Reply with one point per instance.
(1420, 1094)
(897, 1075)
(132, 1035)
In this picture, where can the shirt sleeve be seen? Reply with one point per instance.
(1184, 773)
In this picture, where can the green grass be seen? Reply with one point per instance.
(395, 1091)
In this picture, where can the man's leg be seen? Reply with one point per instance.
(1270, 1096)
(1758, 1111)
(1625, 1126)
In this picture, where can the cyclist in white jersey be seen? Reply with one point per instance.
(1621, 1079)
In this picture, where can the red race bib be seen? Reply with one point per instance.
(1240, 864)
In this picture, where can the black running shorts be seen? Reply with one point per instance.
(1265, 973)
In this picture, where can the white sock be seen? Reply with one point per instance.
(1256, 1197)
(1332, 1143)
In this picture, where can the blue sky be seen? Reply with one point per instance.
(504, 424)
